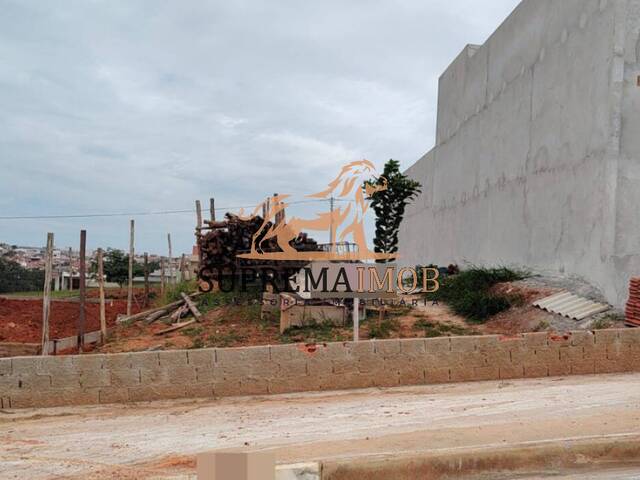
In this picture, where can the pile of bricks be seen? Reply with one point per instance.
(633, 305)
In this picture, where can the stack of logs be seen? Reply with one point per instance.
(219, 244)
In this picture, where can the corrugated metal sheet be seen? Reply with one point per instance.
(571, 306)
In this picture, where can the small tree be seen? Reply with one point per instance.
(15, 278)
(116, 267)
(390, 205)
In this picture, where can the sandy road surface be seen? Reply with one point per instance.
(159, 439)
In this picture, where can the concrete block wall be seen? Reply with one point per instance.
(133, 377)
(537, 157)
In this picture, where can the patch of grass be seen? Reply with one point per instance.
(39, 294)
(212, 300)
(433, 329)
(172, 292)
(224, 339)
(605, 322)
(193, 332)
(468, 293)
(543, 326)
(383, 329)
(322, 332)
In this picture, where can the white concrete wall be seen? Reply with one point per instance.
(538, 142)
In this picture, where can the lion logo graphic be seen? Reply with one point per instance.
(344, 222)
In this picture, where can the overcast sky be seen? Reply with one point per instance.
(137, 106)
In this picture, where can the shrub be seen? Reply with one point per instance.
(468, 293)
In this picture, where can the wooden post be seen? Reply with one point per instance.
(184, 268)
(356, 320)
(162, 285)
(171, 277)
(46, 300)
(70, 269)
(198, 216)
(103, 316)
(131, 255)
(146, 279)
(212, 209)
(83, 289)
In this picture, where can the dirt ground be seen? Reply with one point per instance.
(241, 325)
(160, 439)
(21, 319)
(234, 325)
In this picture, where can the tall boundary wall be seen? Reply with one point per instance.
(132, 377)
(537, 155)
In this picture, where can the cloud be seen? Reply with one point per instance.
(145, 106)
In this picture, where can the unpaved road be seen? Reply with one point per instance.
(159, 439)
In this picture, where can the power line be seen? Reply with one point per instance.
(140, 214)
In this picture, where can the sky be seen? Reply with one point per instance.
(125, 106)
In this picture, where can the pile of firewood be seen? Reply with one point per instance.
(220, 243)
(172, 313)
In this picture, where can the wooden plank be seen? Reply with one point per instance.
(83, 289)
(175, 327)
(179, 313)
(155, 316)
(46, 300)
(103, 316)
(192, 306)
(131, 257)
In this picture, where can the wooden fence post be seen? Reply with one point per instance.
(131, 255)
(83, 289)
(146, 279)
(103, 315)
(183, 268)
(198, 217)
(212, 209)
(70, 269)
(171, 278)
(162, 280)
(46, 299)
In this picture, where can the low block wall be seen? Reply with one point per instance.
(93, 379)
